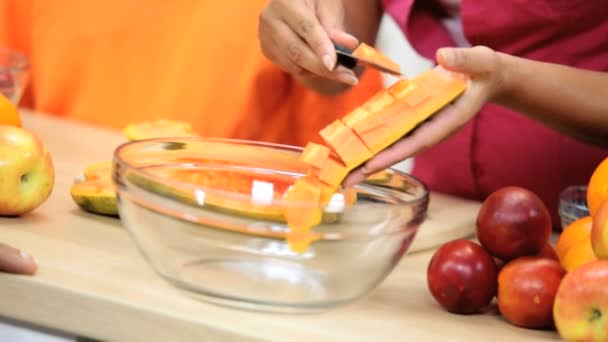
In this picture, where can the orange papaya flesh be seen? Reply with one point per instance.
(369, 53)
(361, 120)
(379, 101)
(332, 173)
(303, 211)
(315, 155)
(95, 196)
(346, 144)
(399, 88)
(398, 118)
(379, 123)
(98, 170)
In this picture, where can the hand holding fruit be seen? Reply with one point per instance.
(484, 69)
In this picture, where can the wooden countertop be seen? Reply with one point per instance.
(93, 282)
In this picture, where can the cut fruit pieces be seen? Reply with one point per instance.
(315, 155)
(346, 144)
(378, 123)
(367, 52)
(98, 170)
(95, 196)
(379, 101)
(332, 173)
(303, 209)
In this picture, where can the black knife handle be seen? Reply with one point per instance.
(345, 57)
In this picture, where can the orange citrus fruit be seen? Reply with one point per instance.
(579, 254)
(576, 231)
(597, 189)
(9, 115)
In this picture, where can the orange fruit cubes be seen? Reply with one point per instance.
(358, 136)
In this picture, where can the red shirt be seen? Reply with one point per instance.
(500, 147)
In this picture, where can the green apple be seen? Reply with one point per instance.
(599, 232)
(26, 171)
(580, 309)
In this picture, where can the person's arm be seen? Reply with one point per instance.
(572, 101)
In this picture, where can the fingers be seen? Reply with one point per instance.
(13, 260)
(479, 59)
(298, 59)
(293, 37)
(441, 126)
(354, 177)
(301, 17)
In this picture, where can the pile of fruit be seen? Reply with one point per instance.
(535, 285)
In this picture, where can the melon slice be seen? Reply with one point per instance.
(95, 196)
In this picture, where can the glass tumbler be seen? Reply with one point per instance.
(14, 72)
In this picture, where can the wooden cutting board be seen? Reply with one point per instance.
(92, 281)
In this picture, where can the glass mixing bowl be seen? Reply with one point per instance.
(207, 214)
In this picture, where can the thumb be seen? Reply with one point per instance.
(13, 260)
(476, 60)
(331, 18)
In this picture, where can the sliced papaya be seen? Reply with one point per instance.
(158, 129)
(367, 52)
(303, 198)
(315, 155)
(379, 101)
(346, 144)
(98, 170)
(95, 196)
(364, 132)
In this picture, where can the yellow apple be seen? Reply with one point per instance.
(27, 175)
(580, 309)
(599, 231)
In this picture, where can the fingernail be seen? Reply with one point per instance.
(448, 56)
(349, 79)
(329, 63)
(365, 170)
(25, 255)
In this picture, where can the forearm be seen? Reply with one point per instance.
(573, 101)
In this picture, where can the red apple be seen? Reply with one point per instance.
(599, 232)
(581, 304)
(461, 277)
(513, 222)
(548, 252)
(526, 291)
(26, 171)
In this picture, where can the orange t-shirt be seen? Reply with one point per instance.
(113, 62)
